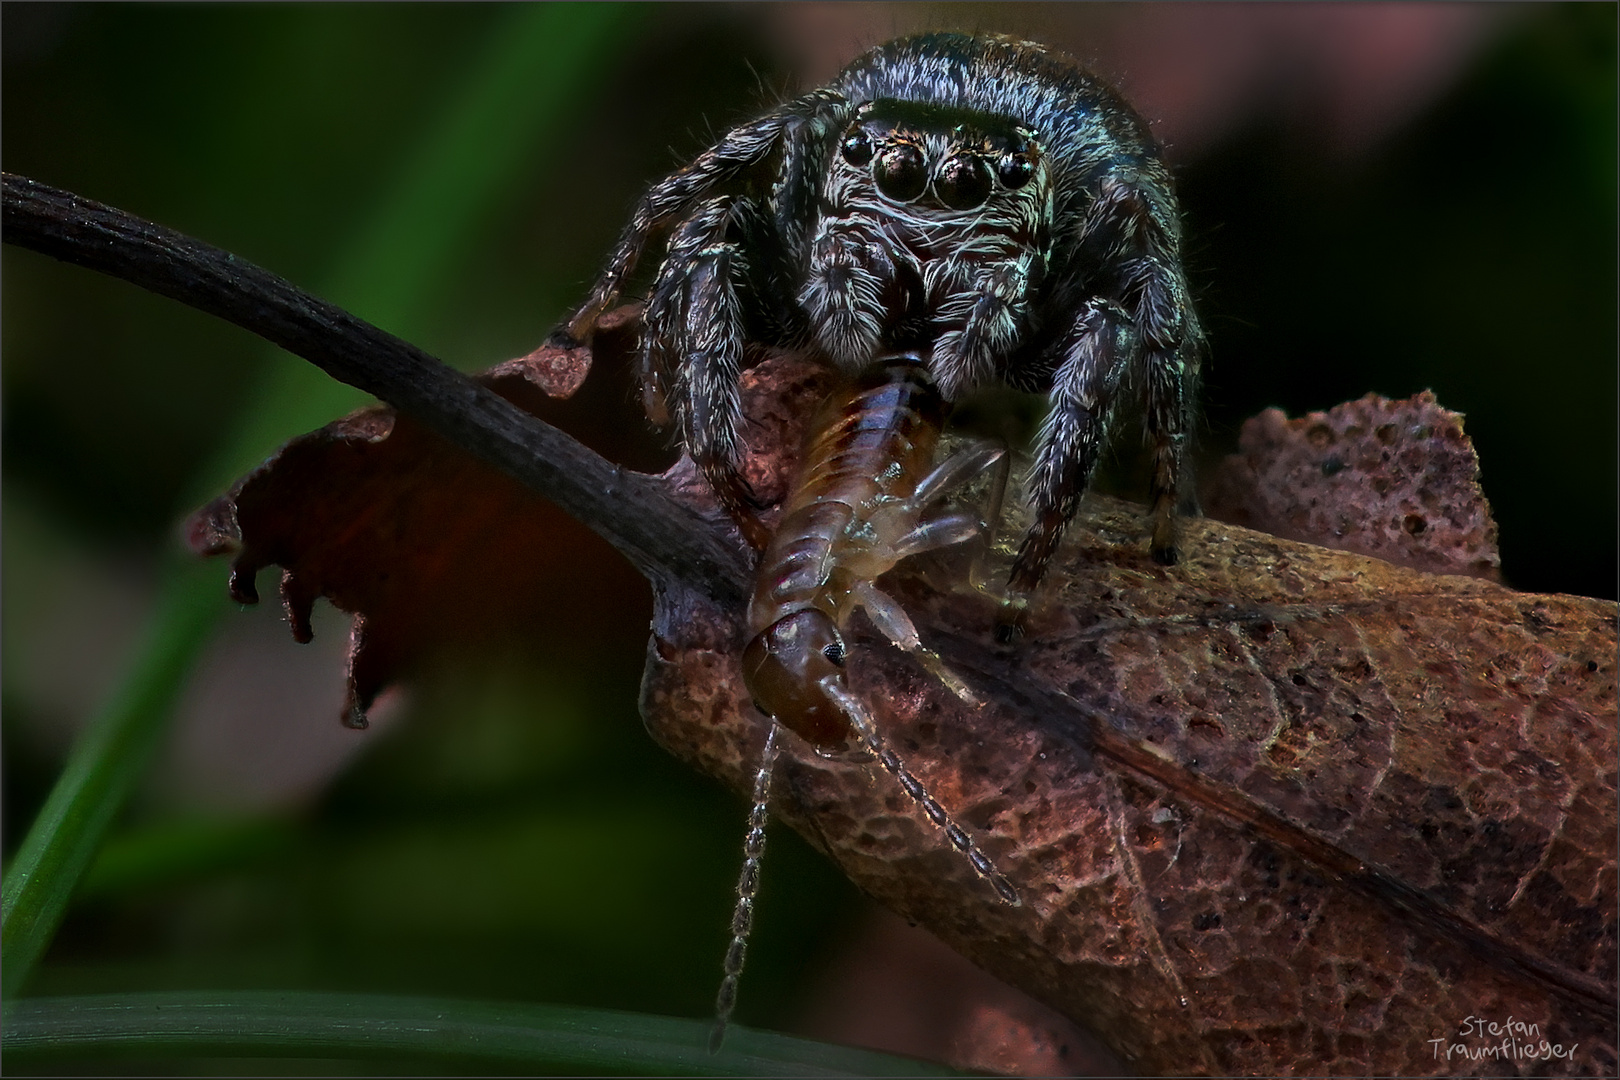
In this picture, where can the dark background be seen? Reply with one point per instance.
(1382, 199)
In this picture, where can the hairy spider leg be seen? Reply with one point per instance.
(987, 316)
(696, 321)
(742, 916)
(694, 325)
(1081, 401)
(844, 293)
(1171, 364)
(1141, 319)
(1138, 224)
(739, 152)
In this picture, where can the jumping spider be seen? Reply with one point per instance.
(979, 200)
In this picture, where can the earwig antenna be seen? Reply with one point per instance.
(742, 916)
(958, 836)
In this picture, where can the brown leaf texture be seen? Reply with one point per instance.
(1397, 480)
(1274, 809)
(898, 988)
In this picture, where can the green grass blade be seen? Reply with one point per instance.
(521, 1037)
(103, 767)
(516, 96)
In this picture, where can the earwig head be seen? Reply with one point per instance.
(789, 668)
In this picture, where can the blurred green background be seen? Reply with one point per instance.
(510, 831)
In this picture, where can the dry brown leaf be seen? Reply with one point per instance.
(1397, 480)
(897, 988)
(1276, 808)
(1273, 809)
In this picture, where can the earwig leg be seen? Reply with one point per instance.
(888, 616)
(742, 916)
(955, 471)
(930, 532)
(891, 619)
(944, 530)
(861, 720)
(1082, 396)
(977, 576)
(941, 530)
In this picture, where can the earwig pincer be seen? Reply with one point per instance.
(866, 498)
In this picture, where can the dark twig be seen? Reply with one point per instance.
(635, 513)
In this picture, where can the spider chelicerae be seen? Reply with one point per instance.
(977, 199)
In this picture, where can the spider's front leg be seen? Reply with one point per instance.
(844, 295)
(1094, 354)
(741, 153)
(1131, 228)
(1171, 345)
(693, 333)
(988, 318)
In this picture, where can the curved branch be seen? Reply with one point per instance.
(662, 536)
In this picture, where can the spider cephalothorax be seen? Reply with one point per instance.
(935, 228)
(980, 201)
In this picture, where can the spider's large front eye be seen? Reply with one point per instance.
(963, 182)
(858, 148)
(1015, 170)
(901, 173)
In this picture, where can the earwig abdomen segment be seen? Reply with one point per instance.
(788, 666)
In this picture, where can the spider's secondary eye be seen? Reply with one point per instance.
(858, 148)
(901, 173)
(1015, 170)
(963, 183)
(834, 653)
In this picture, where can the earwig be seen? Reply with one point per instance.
(864, 501)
